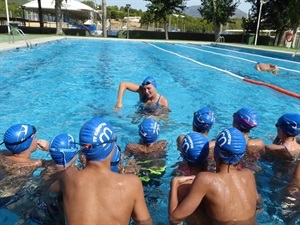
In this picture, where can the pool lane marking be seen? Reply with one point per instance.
(252, 54)
(281, 90)
(235, 57)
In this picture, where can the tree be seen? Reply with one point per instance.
(58, 16)
(218, 12)
(294, 15)
(161, 9)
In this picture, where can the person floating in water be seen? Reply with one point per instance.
(20, 141)
(95, 191)
(267, 67)
(152, 102)
(238, 205)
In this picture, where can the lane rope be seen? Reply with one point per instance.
(276, 88)
(236, 57)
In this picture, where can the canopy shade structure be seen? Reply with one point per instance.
(71, 8)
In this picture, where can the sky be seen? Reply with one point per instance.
(140, 4)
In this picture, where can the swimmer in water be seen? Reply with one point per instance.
(285, 144)
(239, 203)
(21, 141)
(267, 67)
(148, 96)
(203, 121)
(194, 151)
(95, 190)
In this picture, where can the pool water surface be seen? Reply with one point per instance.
(59, 85)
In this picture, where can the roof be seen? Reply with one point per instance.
(72, 8)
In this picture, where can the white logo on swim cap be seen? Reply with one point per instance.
(222, 139)
(187, 141)
(104, 135)
(24, 130)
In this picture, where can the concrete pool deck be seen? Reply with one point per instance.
(36, 39)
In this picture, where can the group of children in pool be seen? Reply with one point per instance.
(216, 187)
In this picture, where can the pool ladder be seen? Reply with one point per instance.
(220, 39)
(296, 52)
(19, 31)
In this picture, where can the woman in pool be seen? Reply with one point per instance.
(285, 144)
(152, 101)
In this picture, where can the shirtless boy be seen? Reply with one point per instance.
(95, 194)
(229, 195)
(20, 141)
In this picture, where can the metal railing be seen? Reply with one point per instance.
(296, 52)
(220, 39)
(19, 31)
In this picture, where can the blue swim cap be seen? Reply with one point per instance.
(149, 130)
(115, 160)
(195, 148)
(63, 149)
(290, 124)
(246, 119)
(97, 139)
(230, 145)
(19, 137)
(203, 120)
(149, 80)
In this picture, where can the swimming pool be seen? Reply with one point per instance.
(59, 85)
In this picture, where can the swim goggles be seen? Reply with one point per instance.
(116, 162)
(20, 142)
(91, 146)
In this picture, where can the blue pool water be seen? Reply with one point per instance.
(59, 85)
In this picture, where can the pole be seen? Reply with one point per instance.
(7, 18)
(104, 31)
(170, 22)
(24, 23)
(128, 6)
(258, 22)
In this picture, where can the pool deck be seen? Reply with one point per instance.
(35, 39)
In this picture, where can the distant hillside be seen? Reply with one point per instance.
(193, 11)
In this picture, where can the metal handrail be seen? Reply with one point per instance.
(296, 52)
(22, 34)
(220, 39)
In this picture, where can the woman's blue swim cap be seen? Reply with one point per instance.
(149, 80)
(195, 148)
(149, 130)
(19, 137)
(290, 124)
(203, 120)
(230, 145)
(246, 119)
(115, 160)
(63, 149)
(97, 139)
